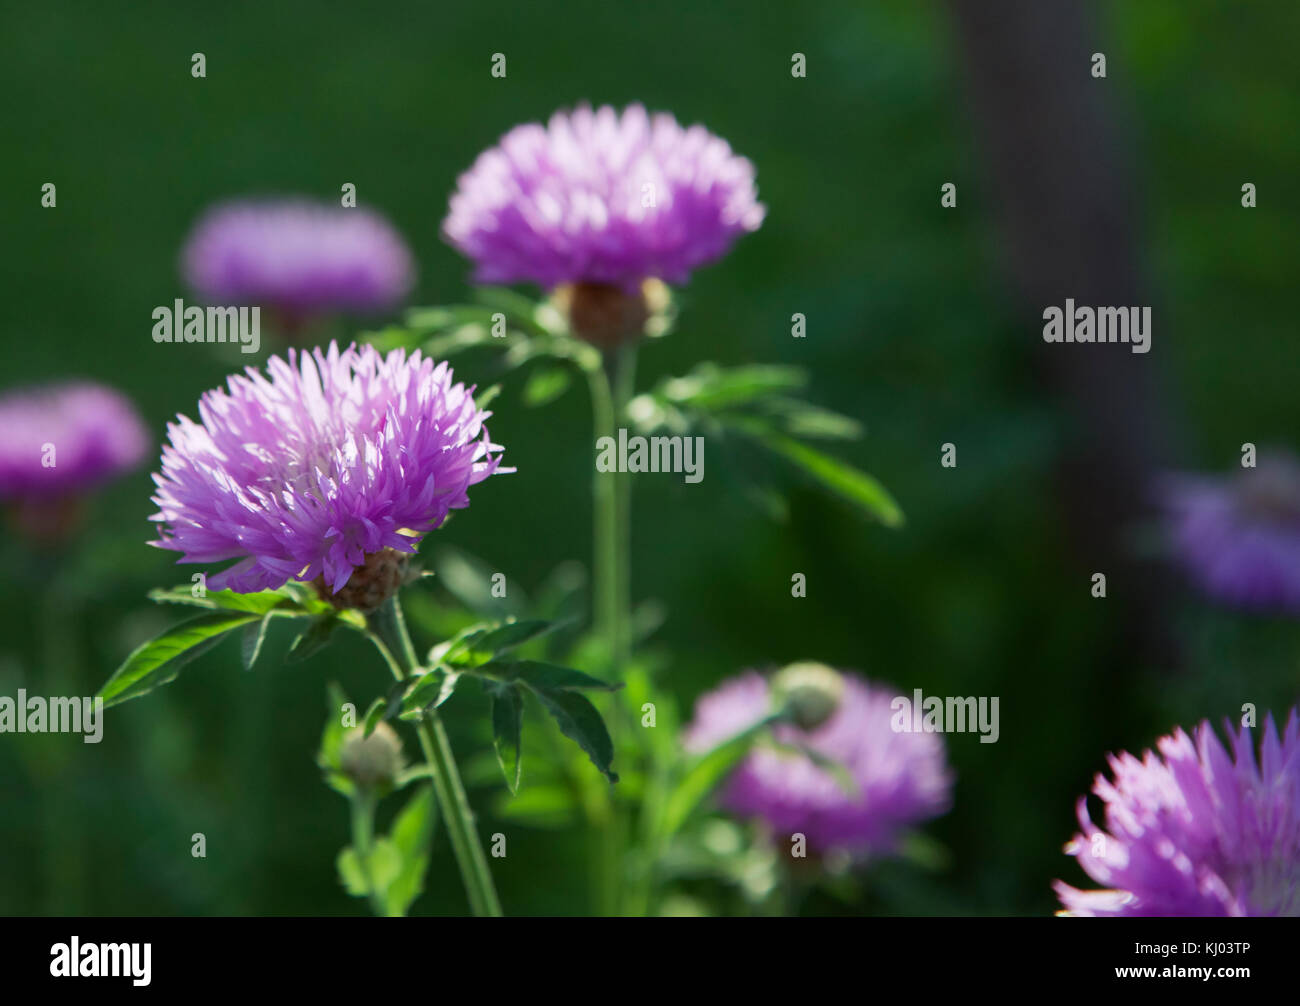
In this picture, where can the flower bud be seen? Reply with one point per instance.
(372, 761)
(808, 692)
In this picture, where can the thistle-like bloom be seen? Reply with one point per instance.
(1239, 538)
(335, 458)
(599, 197)
(1195, 832)
(64, 440)
(298, 258)
(892, 780)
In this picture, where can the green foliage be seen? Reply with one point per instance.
(158, 661)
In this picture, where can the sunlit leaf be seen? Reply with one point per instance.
(412, 836)
(160, 660)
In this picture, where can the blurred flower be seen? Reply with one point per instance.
(1194, 832)
(339, 456)
(297, 257)
(58, 443)
(899, 778)
(602, 200)
(1239, 538)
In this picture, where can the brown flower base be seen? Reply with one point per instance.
(371, 584)
(603, 314)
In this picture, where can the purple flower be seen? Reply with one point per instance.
(1239, 538)
(66, 439)
(598, 197)
(297, 257)
(899, 778)
(1194, 831)
(338, 456)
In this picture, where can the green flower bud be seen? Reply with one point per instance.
(374, 761)
(808, 692)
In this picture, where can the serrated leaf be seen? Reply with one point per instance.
(507, 729)
(480, 644)
(579, 720)
(160, 660)
(547, 677)
(252, 638)
(430, 689)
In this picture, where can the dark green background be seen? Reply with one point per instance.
(908, 330)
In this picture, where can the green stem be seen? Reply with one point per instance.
(611, 379)
(623, 381)
(363, 836)
(388, 629)
(605, 523)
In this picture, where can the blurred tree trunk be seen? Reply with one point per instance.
(1058, 167)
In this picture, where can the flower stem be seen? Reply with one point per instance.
(388, 629)
(363, 835)
(612, 382)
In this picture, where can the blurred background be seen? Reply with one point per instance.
(923, 322)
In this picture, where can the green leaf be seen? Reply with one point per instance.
(546, 677)
(486, 397)
(838, 772)
(412, 837)
(250, 644)
(507, 728)
(801, 419)
(515, 306)
(704, 775)
(374, 715)
(540, 806)
(430, 689)
(469, 580)
(222, 600)
(312, 639)
(710, 388)
(331, 738)
(855, 486)
(385, 865)
(545, 384)
(160, 660)
(452, 316)
(482, 643)
(579, 721)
